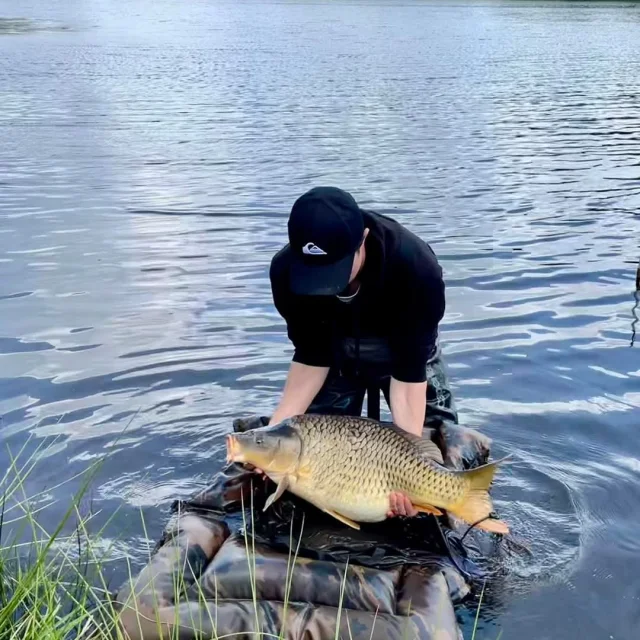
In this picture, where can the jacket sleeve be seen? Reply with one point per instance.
(420, 305)
(308, 328)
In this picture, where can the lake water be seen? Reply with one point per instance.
(149, 154)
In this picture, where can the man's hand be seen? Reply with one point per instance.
(400, 505)
(260, 472)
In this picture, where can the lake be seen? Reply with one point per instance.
(150, 152)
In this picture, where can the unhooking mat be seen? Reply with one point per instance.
(226, 568)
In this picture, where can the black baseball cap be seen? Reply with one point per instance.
(325, 230)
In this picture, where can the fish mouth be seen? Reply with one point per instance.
(232, 448)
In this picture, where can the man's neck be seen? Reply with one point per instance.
(354, 286)
(351, 293)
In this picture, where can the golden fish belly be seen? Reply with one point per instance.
(361, 506)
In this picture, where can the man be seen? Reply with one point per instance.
(362, 298)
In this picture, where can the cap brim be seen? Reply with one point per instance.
(320, 280)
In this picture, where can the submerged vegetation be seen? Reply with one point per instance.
(14, 26)
(53, 584)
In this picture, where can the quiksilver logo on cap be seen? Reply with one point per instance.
(311, 249)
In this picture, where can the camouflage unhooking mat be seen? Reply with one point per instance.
(294, 572)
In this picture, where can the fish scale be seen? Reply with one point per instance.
(349, 456)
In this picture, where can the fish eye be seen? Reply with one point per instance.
(259, 440)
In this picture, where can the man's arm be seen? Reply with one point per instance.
(419, 307)
(302, 385)
(310, 334)
(408, 402)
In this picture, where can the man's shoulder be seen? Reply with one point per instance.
(280, 263)
(406, 253)
(415, 254)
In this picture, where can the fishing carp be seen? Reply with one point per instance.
(348, 466)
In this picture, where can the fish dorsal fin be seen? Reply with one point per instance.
(427, 447)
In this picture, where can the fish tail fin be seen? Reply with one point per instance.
(477, 506)
(477, 503)
(482, 477)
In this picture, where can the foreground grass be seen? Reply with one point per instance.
(53, 584)
(50, 581)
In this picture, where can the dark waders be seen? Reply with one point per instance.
(364, 368)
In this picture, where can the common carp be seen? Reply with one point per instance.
(348, 467)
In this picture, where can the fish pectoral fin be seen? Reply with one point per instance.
(476, 506)
(282, 486)
(303, 472)
(427, 508)
(342, 519)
